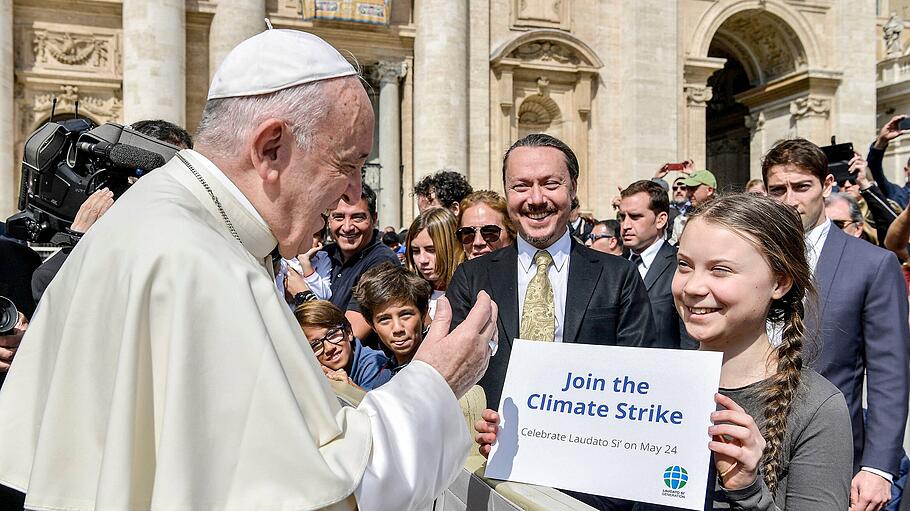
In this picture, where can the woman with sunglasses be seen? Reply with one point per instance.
(432, 252)
(341, 355)
(484, 224)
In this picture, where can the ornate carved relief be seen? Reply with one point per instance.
(537, 112)
(697, 95)
(541, 13)
(546, 51)
(755, 122)
(774, 46)
(35, 106)
(55, 50)
(810, 107)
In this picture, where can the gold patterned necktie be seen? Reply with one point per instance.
(538, 319)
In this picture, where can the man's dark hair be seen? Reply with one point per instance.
(659, 200)
(390, 239)
(613, 229)
(389, 283)
(798, 152)
(370, 196)
(165, 132)
(448, 186)
(544, 140)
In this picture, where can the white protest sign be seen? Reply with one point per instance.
(630, 423)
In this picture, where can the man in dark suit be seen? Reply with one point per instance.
(643, 214)
(574, 294)
(861, 320)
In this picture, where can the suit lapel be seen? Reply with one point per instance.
(503, 278)
(584, 274)
(660, 264)
(828, 261)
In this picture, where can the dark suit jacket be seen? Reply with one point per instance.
(17, 263)
(671, 333)
(606, 303)
(863, 313)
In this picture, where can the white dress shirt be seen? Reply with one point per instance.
(558, 274)
(815, 240)
(647, 257)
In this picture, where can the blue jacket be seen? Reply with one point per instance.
(368, 366)
(899, 194)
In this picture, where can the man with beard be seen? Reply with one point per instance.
(548, 286)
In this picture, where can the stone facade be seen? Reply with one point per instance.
(629, 85)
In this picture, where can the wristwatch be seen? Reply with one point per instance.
(303, 297)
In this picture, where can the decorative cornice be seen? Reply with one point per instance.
(810, 107)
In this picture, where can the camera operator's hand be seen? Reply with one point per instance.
(91, 210)
(889, 132)
(10, 343)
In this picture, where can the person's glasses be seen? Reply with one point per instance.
(842, 224)
(595, 237)
(489, 233)
(335, 336)
(679, 187)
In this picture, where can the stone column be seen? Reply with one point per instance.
(388, 74)
(755, 122)
(440, 86)
(697, 94)
(8, 182)
(234, 21)
(154, 60)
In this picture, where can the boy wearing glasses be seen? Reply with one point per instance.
(395, 302)
(341, 355)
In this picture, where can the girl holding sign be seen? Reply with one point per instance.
(782, 437)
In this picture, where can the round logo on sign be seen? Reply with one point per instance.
(675, 477)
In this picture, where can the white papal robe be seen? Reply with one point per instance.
(162, 371)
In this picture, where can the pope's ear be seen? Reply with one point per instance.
(269, 148)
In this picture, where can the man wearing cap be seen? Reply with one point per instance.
(163, 371)
(700, 187)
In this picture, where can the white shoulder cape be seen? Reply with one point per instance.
(162, 371)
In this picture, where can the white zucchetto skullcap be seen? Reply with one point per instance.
(274, 60)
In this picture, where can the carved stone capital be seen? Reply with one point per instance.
(755, 122)
(35, 105)
(698, 95)
(810, 107)
(389, 71)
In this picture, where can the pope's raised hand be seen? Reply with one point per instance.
(461, 356)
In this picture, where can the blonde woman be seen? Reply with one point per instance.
(432, 250)
(484, 224)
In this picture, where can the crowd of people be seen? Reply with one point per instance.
(794, 277)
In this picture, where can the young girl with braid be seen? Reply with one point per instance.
(781, 438)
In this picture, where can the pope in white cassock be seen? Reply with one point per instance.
(162, 370)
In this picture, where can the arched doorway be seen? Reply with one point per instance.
(754, 76)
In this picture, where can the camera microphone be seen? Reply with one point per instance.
(123, 155)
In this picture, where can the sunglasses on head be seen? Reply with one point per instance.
(489, 233)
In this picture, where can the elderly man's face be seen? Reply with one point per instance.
(330, 170)
(699, 194)
(539, 193)
(839, 213)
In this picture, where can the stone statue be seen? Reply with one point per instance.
(892, 30)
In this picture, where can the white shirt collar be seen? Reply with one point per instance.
(559, 251)
(815, 241)
(648, 255)
(231, 187)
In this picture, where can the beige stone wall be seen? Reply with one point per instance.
(625, 83)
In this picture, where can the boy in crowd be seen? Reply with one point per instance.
(395, 302)
(341, 355)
